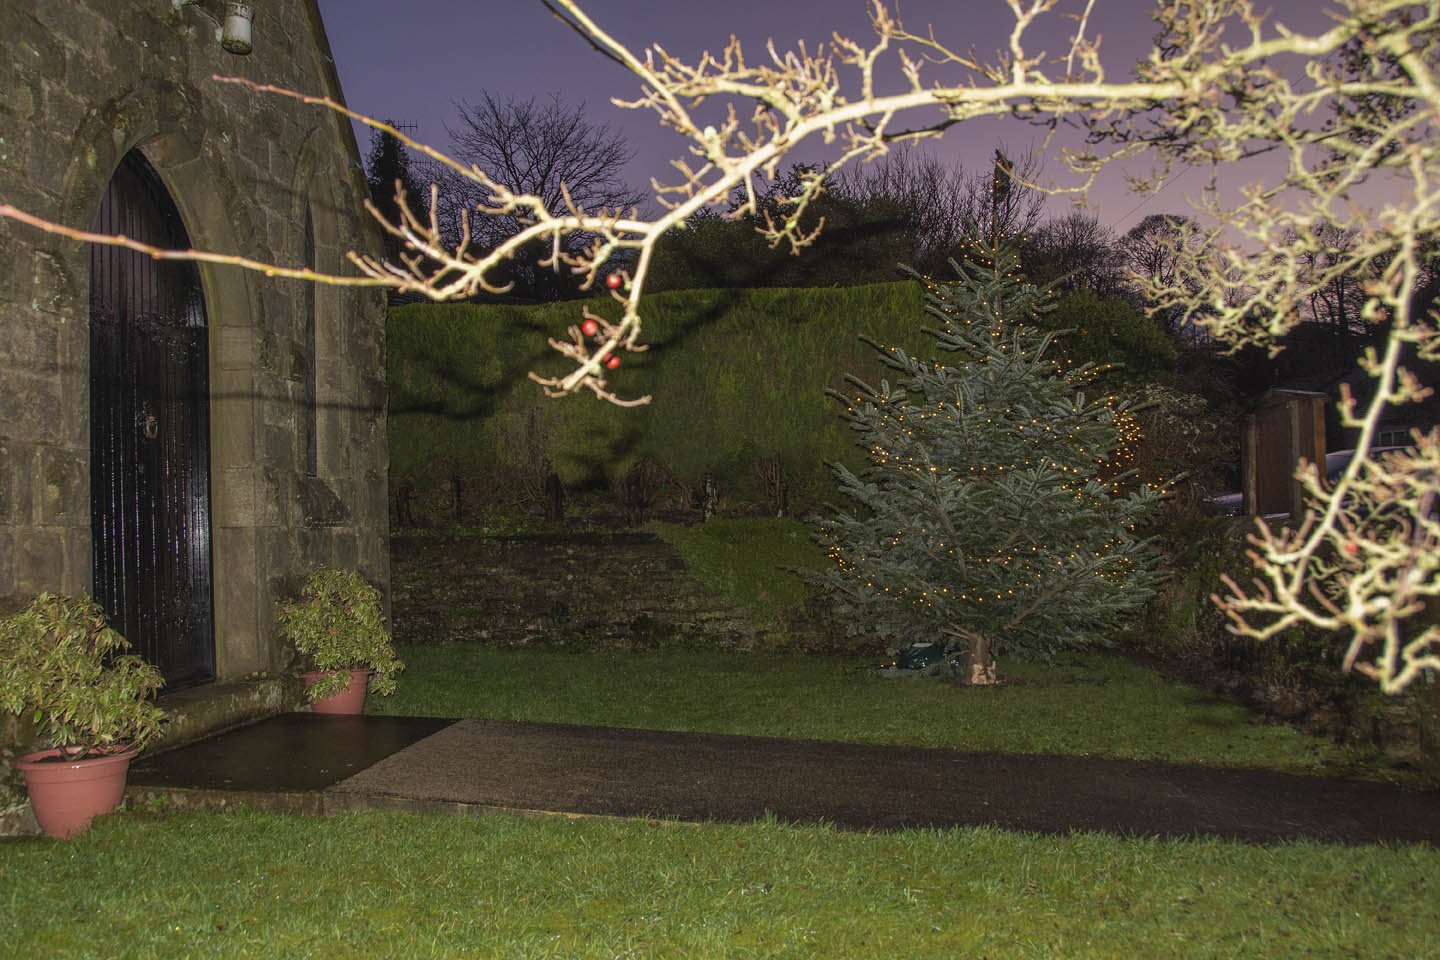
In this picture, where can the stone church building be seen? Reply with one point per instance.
(184, 442)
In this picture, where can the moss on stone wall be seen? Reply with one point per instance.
(629, 590)
(751, 562)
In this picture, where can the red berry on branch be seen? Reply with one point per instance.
(589, 328)
(611, 362)
(1352, 548)
(614, 281)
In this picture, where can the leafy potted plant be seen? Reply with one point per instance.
(337, 623)
(61, 664)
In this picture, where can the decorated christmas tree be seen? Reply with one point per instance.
(991, 516)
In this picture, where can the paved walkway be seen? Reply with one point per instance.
(315, 764)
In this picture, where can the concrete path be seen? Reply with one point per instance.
(308, 763)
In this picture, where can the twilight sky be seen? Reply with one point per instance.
(412, 61)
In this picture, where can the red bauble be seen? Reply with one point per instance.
(589, 328)
(611, 362)
(614, 281)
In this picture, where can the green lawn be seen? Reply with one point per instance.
(1095, 704)
(160, 883)
(395, 885)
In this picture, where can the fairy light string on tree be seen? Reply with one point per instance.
(1119, 466)
(990, 514)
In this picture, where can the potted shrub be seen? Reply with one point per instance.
(338, 625)
(62, 665)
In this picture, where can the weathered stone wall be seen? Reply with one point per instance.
(82, 82)
(628, 590)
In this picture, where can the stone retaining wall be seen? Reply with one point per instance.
(628, 590)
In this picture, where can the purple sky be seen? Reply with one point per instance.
(412, 60)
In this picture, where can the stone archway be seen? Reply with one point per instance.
(203, 191)
(150, 433)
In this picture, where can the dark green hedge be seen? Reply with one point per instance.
(737, 377)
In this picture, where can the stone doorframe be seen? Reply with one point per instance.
(217, 214)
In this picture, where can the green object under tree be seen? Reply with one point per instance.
(996, 513)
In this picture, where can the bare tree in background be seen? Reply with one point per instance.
(541, 148)
(1337, 284)
(1155, 253)
(1076, 252)
(944, 206)
(1365, 558)
(1152, 247)
(932, 193)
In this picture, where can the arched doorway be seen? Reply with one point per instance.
(150, 433)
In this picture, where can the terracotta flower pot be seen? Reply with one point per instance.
(351, 700)
(67, 794)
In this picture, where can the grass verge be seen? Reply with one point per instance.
(1095, 704)
(391, 885)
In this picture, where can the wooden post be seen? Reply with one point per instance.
(1297, 450)
(1247, 465)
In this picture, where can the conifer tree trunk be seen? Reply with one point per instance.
(977, 664)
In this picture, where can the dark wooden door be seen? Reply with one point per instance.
(150, 433)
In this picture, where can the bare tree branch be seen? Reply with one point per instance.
(1362, 103)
